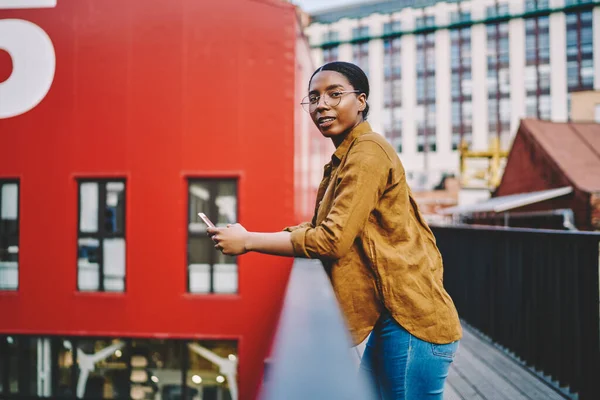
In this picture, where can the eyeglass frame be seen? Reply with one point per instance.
(318, 100)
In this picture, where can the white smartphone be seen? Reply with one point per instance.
(206, 220)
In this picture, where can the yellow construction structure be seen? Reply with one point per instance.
(494, 156)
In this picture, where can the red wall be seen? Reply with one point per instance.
(155, 91)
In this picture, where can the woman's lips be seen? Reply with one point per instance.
(325, 122)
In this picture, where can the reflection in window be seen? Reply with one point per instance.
(9, 235)
(209, 271)
(114, 368)
(101, 236)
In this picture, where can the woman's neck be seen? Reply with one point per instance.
(338, 139)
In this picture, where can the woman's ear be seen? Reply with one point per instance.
(362, 99)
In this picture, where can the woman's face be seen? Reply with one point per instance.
(337, 120)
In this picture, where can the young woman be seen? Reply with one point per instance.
(380, 254)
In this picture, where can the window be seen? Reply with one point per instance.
(360, 55)
(101, 236)
(330, 54)
(498, 82)
(425, 84)
(9, 235)
(116, 368)
(580, 57)
(330, 36)
(461, 85)
(360, 32)
(209, 271)
(391, 27)
(537, 71)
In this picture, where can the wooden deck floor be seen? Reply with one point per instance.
(481, 371)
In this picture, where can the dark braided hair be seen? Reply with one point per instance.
(356, 76)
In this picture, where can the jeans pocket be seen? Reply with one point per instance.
(445, 350)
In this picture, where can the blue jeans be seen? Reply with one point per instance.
(400, 366)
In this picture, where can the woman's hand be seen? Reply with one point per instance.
(231, 240)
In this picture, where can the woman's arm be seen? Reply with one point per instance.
(235, 240)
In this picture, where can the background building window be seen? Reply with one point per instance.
(101, 236)
(498, 81)
(209, 271)
(461, 86)
(580, 57)
(360, 49)
(537, 67)
(330, 50)
(426, 114)
(392, 27)
(9, 235)
(116, 368)
(330, 54)
(392, 92)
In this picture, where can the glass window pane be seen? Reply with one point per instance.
(65, 364)
(156, 370)
(13, 364)
(88, 198)
(213, 368)
(225, 278)
(226, 202)
(88, 275)
(9, 274)
(201, 249)
(114, 257)
(103, 369)
(200, 198)
(199, 280)
(114, 214)
(10, 201)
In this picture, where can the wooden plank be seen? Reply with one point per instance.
(508, 368)
(484, 379)
(461, 386)
(450, 393)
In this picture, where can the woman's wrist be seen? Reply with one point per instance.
(248, 242)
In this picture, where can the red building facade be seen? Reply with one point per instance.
(119, 121)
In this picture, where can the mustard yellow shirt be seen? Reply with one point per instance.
(374, 244)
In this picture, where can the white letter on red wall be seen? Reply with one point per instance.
(33, 60)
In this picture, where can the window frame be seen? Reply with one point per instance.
(101, 235)
(214, 182)
(7, 237)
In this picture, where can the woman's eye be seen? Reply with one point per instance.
(313, 100)
(335, 95)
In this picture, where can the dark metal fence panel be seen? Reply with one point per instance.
(312, 353)
(534, 292)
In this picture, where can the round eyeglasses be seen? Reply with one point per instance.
(332, 99)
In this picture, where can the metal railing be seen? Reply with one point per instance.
(533, 292)
(312, 353)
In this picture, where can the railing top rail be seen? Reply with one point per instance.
(312, 354)
(513, 229)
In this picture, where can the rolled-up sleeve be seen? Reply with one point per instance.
(300, 226)
(360, 183)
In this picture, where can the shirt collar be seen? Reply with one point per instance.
(357, 131)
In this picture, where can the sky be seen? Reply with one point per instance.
(316, 5)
